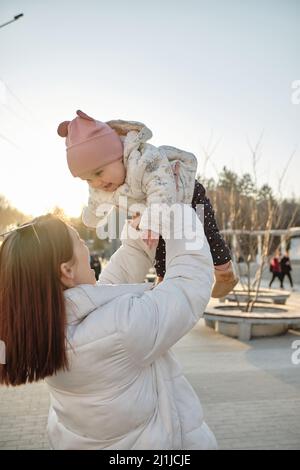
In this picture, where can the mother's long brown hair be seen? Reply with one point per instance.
(32, 306)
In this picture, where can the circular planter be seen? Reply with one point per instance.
(278, 297)
(265, 320)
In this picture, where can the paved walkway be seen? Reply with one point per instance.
(250, 393)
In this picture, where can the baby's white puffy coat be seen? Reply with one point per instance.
(149, 176)
(125, 389)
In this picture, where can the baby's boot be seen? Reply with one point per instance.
(225, 280)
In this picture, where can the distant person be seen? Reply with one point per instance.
(95, 265)
(286, 268)
(275, 269)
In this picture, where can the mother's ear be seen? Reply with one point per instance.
(67, 274)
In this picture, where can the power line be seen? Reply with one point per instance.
(28, 117)
(32, 116)
(16, 114)
(10, 142)
(24, 120)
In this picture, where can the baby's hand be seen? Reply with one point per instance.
(150, 238)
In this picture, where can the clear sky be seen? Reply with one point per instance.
(189, 69)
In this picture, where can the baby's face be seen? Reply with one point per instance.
(107, 178)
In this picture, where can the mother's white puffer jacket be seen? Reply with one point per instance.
(125, 389)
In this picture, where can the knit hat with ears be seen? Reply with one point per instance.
(90, 144)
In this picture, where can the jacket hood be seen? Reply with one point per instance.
(132, 133)
(84, 299)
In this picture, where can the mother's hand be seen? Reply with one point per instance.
(136, 218)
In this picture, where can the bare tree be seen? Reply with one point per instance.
(9, 215)
(208, 151)
(245, 207)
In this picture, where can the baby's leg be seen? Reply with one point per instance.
(219, 250)
(218, 247)
(225, 277)
(160, 258)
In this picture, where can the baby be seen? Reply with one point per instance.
(116, 160)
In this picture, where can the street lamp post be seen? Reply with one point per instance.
(15, 18)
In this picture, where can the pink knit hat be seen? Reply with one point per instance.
(90, 144)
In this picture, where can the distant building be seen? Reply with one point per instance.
(295, 249)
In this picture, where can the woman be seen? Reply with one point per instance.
(103, 349)
(275, 269)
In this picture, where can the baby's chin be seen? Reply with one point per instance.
(112, 187)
